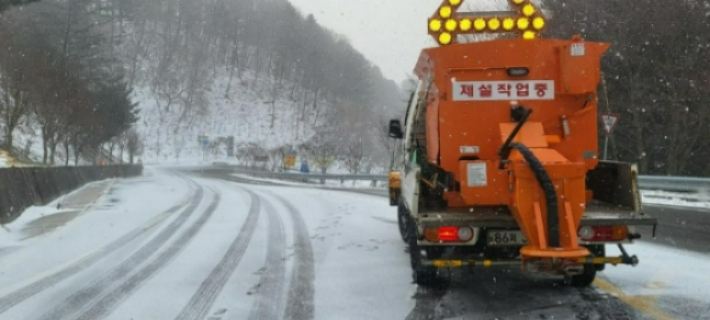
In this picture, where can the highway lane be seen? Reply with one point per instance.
(207, 245)
(488, 294)
(678, 227)
(501, 293)
(195, 248)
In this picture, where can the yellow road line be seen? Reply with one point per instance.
(643, 303)
(657, 282)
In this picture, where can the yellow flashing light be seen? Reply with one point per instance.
(465, 25)
(435, 25)
(446, 24)
(494, 24)
(479, 24)
(528, 10)
(508, 24)
(538, 23)
(445, 12)
(451, 25)
(523, 23)
(445, 38)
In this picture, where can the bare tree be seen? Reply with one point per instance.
(13, 109)
(134, 145)
(15, 67)
(655, 78)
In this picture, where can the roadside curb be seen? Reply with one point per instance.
(86, 197)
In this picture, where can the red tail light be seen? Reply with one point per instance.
(603, 233)
(448, 234)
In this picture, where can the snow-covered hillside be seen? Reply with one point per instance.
(258, 72)
(247, 113)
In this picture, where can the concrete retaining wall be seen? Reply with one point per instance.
(23, 187)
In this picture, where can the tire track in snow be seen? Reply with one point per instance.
(38, 286)
(201, 302)
(113, 298)
(269, 303)
(300, 301)
(85, 295)
(12, 299)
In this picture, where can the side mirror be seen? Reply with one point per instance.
(396, 129)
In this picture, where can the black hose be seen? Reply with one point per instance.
(521, 115)
(553, 221)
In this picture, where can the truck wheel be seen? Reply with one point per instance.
(394, 197)
(403, 221)
(585, 278)
(598, 251)
(422, 275)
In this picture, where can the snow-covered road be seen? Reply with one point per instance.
(175, 245)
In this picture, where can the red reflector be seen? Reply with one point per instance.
(602, 233)
(448, 233)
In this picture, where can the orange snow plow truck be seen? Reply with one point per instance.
(501, 163)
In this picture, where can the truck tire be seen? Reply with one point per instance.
(422, 275)
(598, 250)
(394, 197)
(403, 221)
(585, 278)
(590, 271)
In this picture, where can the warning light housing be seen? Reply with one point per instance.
(448, 23)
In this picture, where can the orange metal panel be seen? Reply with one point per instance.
(540, 231)
(432, 125)
(544, 155)
(569, 182)
(532, 135)
(494, 192)
(474, 123)
(579, 71)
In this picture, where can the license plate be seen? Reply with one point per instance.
(506, 238)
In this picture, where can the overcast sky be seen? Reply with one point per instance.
(389, 33)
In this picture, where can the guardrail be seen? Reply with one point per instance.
(665, 183)
(304, 177)
(670, 183)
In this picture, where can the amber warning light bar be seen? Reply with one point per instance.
(447, 23)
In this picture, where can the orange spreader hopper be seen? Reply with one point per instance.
(542, 181)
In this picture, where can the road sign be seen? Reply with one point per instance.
(290, 160)
(204, 141)
(305, 168)
(610, 120)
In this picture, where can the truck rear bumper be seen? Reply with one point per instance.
(486, 263)
(500, 217)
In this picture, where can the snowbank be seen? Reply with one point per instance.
(11, 233)
(676, 199)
